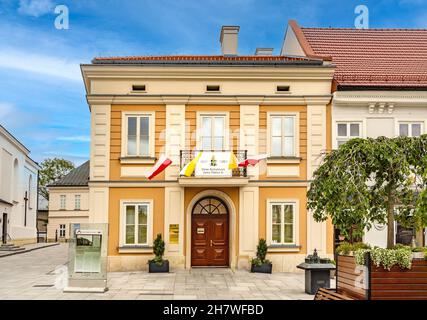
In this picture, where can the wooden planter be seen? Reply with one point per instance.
(398, 284)
(375, 283)
(351, 279)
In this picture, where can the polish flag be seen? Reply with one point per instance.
(159, 167)
(252, 161)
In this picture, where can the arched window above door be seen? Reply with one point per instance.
(210, 205)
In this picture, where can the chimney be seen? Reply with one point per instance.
(264, 51)
(228, 39)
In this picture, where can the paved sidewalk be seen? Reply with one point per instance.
(28, 248)
(39, 275)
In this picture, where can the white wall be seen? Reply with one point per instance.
(379, 113)
(14, 183)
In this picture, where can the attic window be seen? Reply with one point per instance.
(282, 89)
(212, 88)
(138, 87)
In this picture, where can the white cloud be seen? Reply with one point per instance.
(35, 8)
(43, 64)
(5, 109)
(75, 138)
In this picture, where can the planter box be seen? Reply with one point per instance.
(417, 255)
(155, 268)
(264, 268)
(376, 283)
(351, 279)
(399, 284)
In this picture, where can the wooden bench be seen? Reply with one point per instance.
(329, 294)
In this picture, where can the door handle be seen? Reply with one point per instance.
(211, 243)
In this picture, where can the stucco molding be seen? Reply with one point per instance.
(209, 99)
(365, 98)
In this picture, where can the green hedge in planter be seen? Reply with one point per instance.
(387, 258)
(347, 248)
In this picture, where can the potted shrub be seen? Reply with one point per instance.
(260, 264)
(158, 264)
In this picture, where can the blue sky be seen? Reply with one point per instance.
(42, 98)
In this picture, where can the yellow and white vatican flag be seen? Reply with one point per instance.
(232, 164)
(189, 167)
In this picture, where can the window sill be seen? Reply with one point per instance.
(137, 160)
(284, 248)
(135, 249)
(281, 160)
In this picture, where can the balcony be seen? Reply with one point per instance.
(212, 168)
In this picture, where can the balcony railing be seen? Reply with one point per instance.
(187, 155)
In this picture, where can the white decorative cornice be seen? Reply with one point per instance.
(209, 99)
(389, 98)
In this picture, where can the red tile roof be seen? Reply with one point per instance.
(202, 58)
(371, 57)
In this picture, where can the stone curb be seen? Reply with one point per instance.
(28, 250)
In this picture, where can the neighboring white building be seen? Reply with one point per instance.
(379, 88)
(68, 203)
(18, 191)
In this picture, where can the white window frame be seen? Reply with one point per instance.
(123, 204)
(295, 204)
(62, 202)
(152, 131)
(79, 202)
(30, 194)
(296, 116)
(62, 231)
(409, 123)
(347, 137)
(199, 130)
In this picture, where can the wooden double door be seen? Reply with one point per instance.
(210, 233)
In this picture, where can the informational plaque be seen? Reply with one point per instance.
(213, 164)
(174, 234)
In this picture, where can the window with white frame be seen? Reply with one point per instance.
(62, 230)
(283, 136)
(138, 135)
(410, 129)
(29, 196)
(62, 202)
(77, 202)
(213, 132)
(136, 223)
(347, 131)
(282, 223)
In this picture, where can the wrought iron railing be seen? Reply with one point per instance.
(187, 155)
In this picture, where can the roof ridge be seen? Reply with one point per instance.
(369, 29)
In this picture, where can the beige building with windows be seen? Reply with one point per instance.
(147, 106)
(379, 88)
(68, 203)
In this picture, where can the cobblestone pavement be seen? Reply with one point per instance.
(37, 275)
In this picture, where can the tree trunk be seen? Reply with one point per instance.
(390, 222)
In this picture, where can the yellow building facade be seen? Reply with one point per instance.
(145, 107)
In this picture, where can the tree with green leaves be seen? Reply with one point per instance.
(51, 171)
(368, 181)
